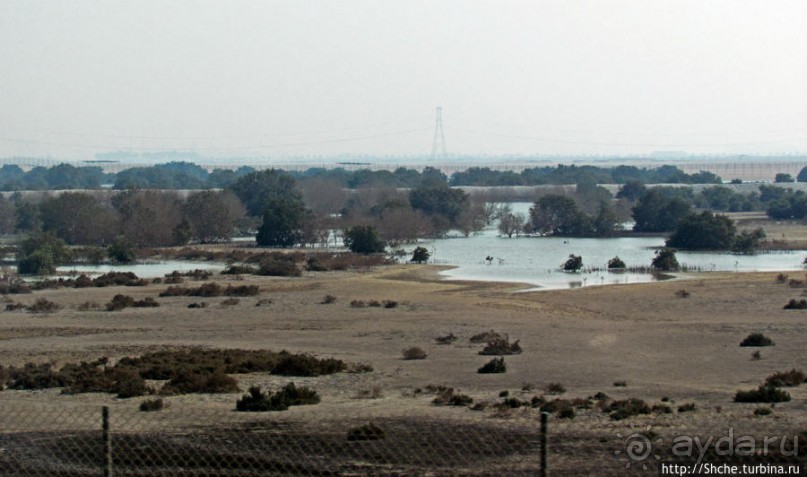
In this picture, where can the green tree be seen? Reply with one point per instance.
(802, 176)
(631, 190)
(41, 253)
(748, 242)
(704, 231)
(420, 255)
(440, 202)
(122, 251)
(78, 218)
(558, 215)
(783, 177)
(665, 260)
(616, 263)
(657, 212)
(573, 264)
(258, 189)
(283, 222)
(364, 239)
(212, 215)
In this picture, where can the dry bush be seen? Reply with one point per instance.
(794, 304)
(120, 302)
(197, 305)
(764, 393)
(88, 306)
(371, 393)
(367, 432)
(555, 388)
(414, 353)
(682, 293)
(230, 302)
(447, 339)
(290, 395)
(626, 408)
(43, 305)
(786, 379)
(328, 299)
(485, 337)
(147, 302)
(496, 365)
(190, 382)
(152, 405)
(757, 339)
(501, 346)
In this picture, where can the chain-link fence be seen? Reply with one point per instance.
(73, 439)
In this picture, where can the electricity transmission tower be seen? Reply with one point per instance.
(439, 144)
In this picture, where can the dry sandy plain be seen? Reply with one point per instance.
(658, 343)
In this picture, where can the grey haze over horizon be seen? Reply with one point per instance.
(307, 78)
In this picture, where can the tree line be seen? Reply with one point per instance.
(186, 175)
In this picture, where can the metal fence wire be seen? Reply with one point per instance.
(75, 439)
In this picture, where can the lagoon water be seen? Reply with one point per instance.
(144, 270)
(536, 260)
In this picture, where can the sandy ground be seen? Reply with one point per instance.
(659, 344)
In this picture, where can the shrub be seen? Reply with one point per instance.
(374, 303)
(620, 384)
(781, 278)
(390, 304)
(151, 405)
(43, 305)
(555, 388)
(120, 302)
(661, 409)
(290, 395)
(364, 239)
(756, 355)
(460, 400)
(314, 265)
(15, 306)
(485, 337)
(112, 279)
(288, 364)
(275, 267)
(447, 339)
(567, 413)
(616, 263)
(198, 305)
(188, 382)
(88, 305)
(787, 379)
(263, 301)
(357, 304)
(147, 302)
(239, 270)
(764, 393)
(328, 299)
(626, 408)
(242, 290)
(757, 339)
(372, 393)
(207, 290)
(794, 304)
(414, 353)
(496, 365)
(763, 411)
(688, 407)
(501, 346)
(230, 302)
(682, 293)
(367, 432)
(793, 283)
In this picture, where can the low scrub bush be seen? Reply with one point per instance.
(447, 339)
(794, 304)
(390, 304)
(328, 299)
(626, 408)
(242, 290)
(682, 293)
(239, 270)
(14, 306)
(151, 405)
(88, 306)
(367, 432)
(501, 346)
(216, 382)
(358, 304)
(120, 302)
(496, 365)
(275, 267)
(112, 279)
(764, 393)
(460, 400)
(147, 302)
(555, 388)
(43, 305)
(786, 379)
(197, 305)
(414, 353)
(688, 407)
(290, 395)
(485, 337)
(757, 339)
(662, 409)
(230, 302)
(763, 411)
(620, 384)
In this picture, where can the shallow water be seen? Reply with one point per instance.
(144, 270)
(536, 260)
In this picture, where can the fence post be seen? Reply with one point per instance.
(107, 442)
(544, 466)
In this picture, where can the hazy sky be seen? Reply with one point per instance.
(320, 77)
